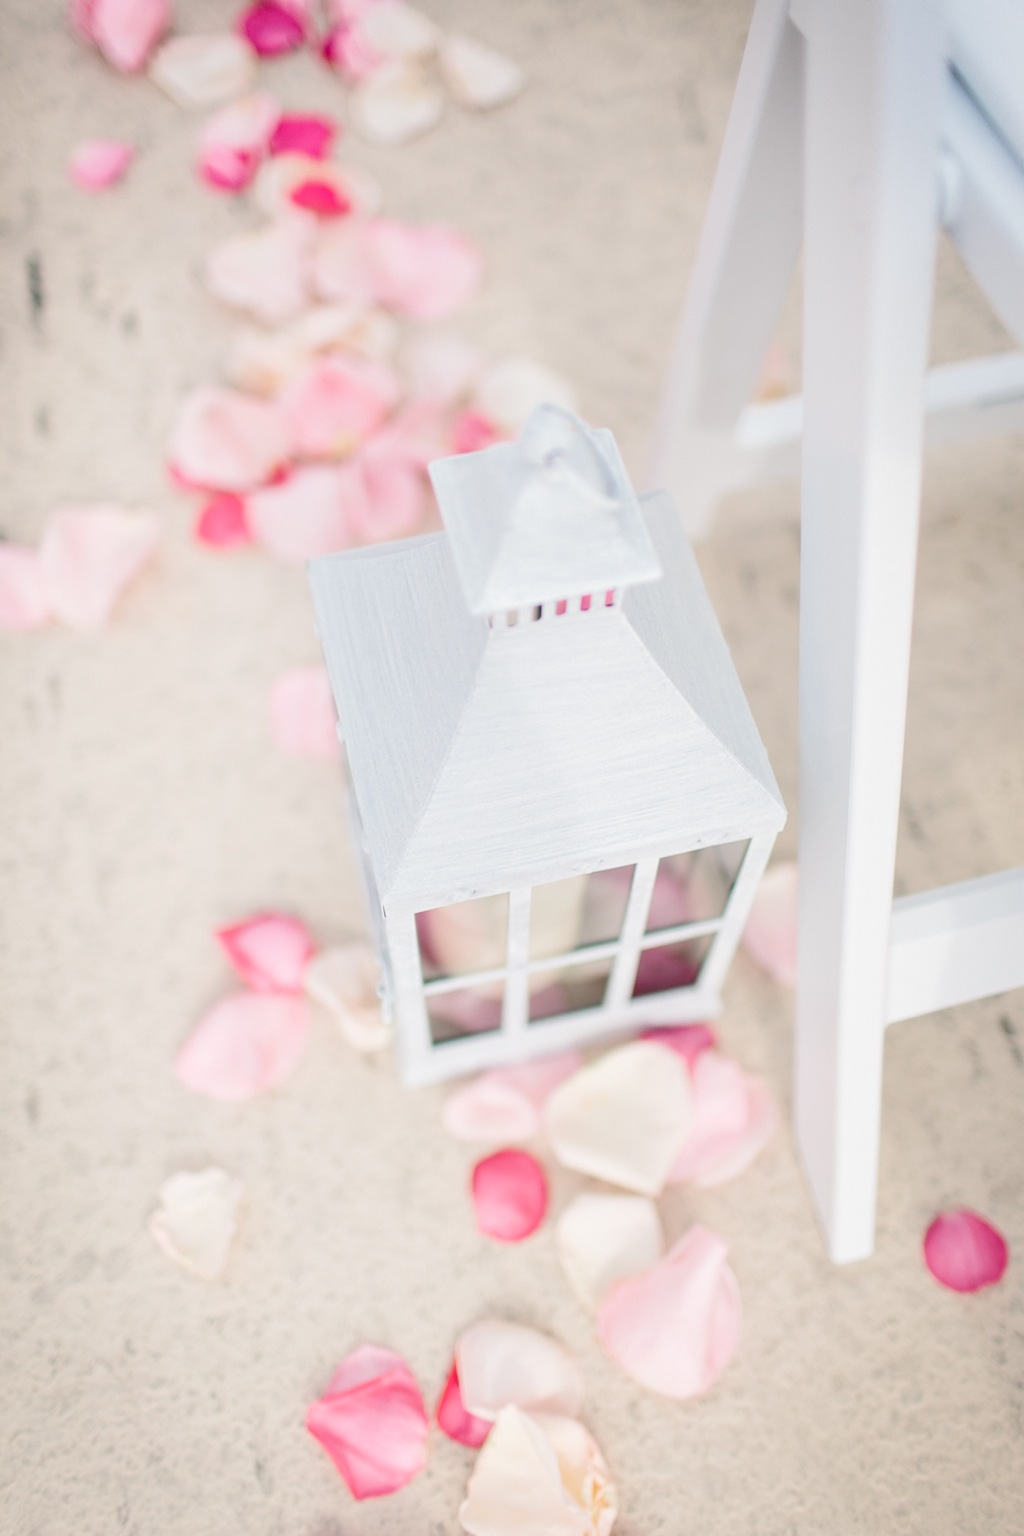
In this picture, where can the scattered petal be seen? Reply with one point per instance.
(309, 514)
(196, 1219)
(471, 431)
(398, 30)
(303, 133)
(271, 29)
(675, 1327)
(125, 31)
(303, 721)
(372, 1423)
(247, 1043)
(687, 1040)
(509, 391)
(349, 51)
(424, 271)
(603, 1238)
(203, 70)
(398, 102)
(335, 404)
(734, 1117)
(263, 362)
(964, 1251)
(355, 191)
(99, 163)
(510, 1195)
(624, 1117)
(88, 556)
(346, 981)
(770, 936)
(478, 76)
(222, 523)
(501, 1363)
(236, 140)
(265, 271)
(438, 365)
(505, 1104)
(270, 952)
(226, 441)
(539, 1474)
(24, 603)
(387, 495)
(453, 1418)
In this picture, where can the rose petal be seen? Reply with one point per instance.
(398, 30)
(303, 721)
(89, 555)
(335, 404)
(734, 1117)
(770, 936)
(271, 29)
(280, 177)
(501, 1363)
(270, 952)
(222, 522)
(509, 391)
(505, 1104)
(510, 1195)
(203, 70)
(440, 366)
(309, 514)
(624, 1117)
(346, 981)
(453, 1418)
(471, 431)
(246, 1044)
(349, 51)
(425, 271)
(372, 1423)
(236, 139)
(964, 1251)
(539, 1474)
(127, 31)
(675, 1327)
(387, 494)
(265, 271)
(398, 102)
(478, 76)
(304, 133)
(689, 1041)
(603, 1238)
(99, 163)
(24, 602)
(226, 441)
(196, 1219)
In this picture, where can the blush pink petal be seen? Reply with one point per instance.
(441, 366)
(425, 271)
(227, 441)
(89, 554)
(24, 603)
(271, 29)
(265, 272)
(501, 1363)
(770, 935)
(337, 190)
(454, 1419)
(127, 31)
(235, 141)
(489, 1110)
(303, 721)
(471, 431)
(734, 1117)
(510, 1195)
(964, 1251)
(303, 133)
(687, 1040)
(372, 1423)
(270, 952)
(222, 524)
(246, 1044)
(334, 405)
(675, 1327)
(98, 163)
(388, 493)
(308, 515)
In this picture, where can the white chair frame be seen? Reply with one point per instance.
(851, 136)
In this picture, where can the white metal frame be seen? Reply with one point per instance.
(850, 132)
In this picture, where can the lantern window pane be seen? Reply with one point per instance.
(574, 913)
(694, 887)
(465, 1012)
(463, 938)
(568, 989)
(666, 967)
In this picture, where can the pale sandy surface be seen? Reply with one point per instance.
(143, 804)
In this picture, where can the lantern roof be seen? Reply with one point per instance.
(485, 757)
(549, 516)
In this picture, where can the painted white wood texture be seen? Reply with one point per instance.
(956, 943)
(986, 46)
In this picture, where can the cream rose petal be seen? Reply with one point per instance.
(398, 30)
(601, 1239)
(397, 103)
(584, 1470)
(204, 69)
(519, 1486)
(501, 1363)
(225, 441)
(510, 389)
(478, 76)
(770, 937)
(89, 554)
(265, 272)
(196, 1219)
(624, 1117)
(345, 980)
(438, 365)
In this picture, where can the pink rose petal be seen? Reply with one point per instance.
(501, 1363)
(272, 29)
(303, 720)
(236, 139)
(226, 441)
(320, 198)
(335, 403)
(265, 272)
(99, 163)
(424, 271)
(455, 1420)
(687, 1040)
(471, 431)
(222, 522)
(24, 603)
(372, 1423)
(124, 31)
(304, 134)
(331, 190)
(734, 1117)
(676, 1326)
(770, 935)
(964, 1251)
(505, 1104)
(309, 515)
(270, 952)
(246, 1044)
(387, 493)
(89, 555)
(510, 1195)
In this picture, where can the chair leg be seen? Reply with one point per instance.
(875, 75)
(745, 259)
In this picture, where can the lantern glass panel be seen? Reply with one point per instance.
(465, 1012)
(665, 967)
(569, 989)
(694, 887)
(574, 913)
(463, 938)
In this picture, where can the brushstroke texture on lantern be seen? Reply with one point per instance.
(560, 797)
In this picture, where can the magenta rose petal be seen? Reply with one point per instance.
(222, 522)
(372, 1423)
(271, 29)
(510, 1195)
(964, 1251)
(270, 952)
(454, 1418)
(246, 1044)
(304, 134)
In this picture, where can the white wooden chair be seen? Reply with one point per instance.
(857, 127)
